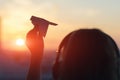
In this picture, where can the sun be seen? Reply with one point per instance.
(20, 42)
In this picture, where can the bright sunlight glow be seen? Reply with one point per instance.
(20, 42)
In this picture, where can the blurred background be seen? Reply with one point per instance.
(68, 14)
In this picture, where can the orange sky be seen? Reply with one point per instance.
(69, 14)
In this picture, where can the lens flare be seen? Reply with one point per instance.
(20, 42)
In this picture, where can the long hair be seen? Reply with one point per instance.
(89, 54)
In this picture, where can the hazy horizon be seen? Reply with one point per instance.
(68, 14)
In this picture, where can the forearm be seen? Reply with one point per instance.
(34, 69)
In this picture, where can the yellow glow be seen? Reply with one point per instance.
(16, 22)
(20, 42)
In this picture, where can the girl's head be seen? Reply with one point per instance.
(88, 54)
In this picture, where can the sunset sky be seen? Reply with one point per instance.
(68, 14)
